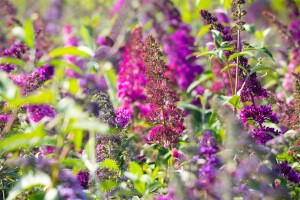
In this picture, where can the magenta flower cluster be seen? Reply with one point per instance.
(15, 51)
(131, 79)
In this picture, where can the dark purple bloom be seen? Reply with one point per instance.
(289, 173)
(38, 112)
(258, 114)
(83, 178)
(15, 51)
(208, 145)
(208, 18)
(253, 89)
(31, 82)
(178, 46)
(264, 134)
(123, 117)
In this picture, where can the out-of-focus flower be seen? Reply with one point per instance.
(38, 112)
(69, 188)
(118, 6)
(99, 104)
(264, 134)
(258, 114)
(31, 82)
(7, 8)
(123, 117)
(83, 178)
(179, 46)
(289, 173)
(108, 146)
(131, 79)
(252, 89)
(15, 51)
(53, 15)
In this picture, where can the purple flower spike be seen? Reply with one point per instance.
(289, 173)
(37, 112)
(123, 117)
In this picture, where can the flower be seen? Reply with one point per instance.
(123, 117)
(208, 145)
(31, 82)
(37, 112)
(253, 89)
(108, 146)
(83, 178)
(289, 173)
(69, 188)
(167, 118)
(131, 77)
(258, 114)
(54, 13)
(15, 51)
(179, 46)
(264, 134)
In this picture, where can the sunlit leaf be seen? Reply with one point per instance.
(29, 33)
(110, 164)
(203, 77)
(74, 51)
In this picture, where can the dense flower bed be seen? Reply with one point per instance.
(149, 99)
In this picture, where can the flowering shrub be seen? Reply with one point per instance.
(149, 99)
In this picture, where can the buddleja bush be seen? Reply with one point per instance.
(153, 99)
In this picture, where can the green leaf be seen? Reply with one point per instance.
(226, 4)
(266, 51)
(261, 68)
(189, 106)
(74, 51)
(235, 101)
(261, 49)
(250, 28)
(15, 61)
(90, 125)
(59, 63)
(22, 140)
(233, 56)
(109, 163)
(8, 90)
(203, 77)
(140, 186)
(29, 33)
(111, 79)
(227, 67)
(72, 85)
(40, 97)
(208, 53)
(203, 31)
(108, 185)
(217, 36)
(135, 168)
(86, 35)
(74, 163)
(27, 181)
(77, 140)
